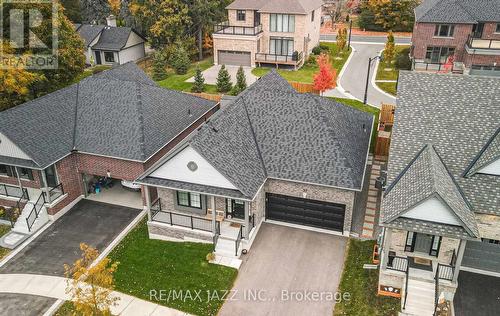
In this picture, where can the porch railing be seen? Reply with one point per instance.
(238, 241)
(215, 239)
(438, 67)
(275, 58)
(398, 264)
(479, 43)
(445, 272)
(13, 191)
(225, 28)
(182, 220)
(35, 211)
(56, 192)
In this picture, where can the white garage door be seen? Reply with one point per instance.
(230, 57)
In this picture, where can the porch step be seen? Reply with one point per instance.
(21, 226)
(226, 248)
(420, 299)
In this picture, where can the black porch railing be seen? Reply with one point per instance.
(400, 264)
(225, 28)
(479, 43)
(35, 211)
(276, 58)
(445, 272)
(182, 220)
(431, 66)
(13, 191)
(56, 192)
(238, 241)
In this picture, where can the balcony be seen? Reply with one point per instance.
(226, 29)
(483, 46)
(294, 59)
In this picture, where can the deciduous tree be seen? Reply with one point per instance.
(396, 15)
(342, 38)
(95, 296)
(325, 78)
(389, 49)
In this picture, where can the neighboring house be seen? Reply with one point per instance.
(109, 44)
(441, 209)
(113, 125)
(278, 32)
(466, 30)
(271, 154)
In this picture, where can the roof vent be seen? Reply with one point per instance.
(189, 113)
(364, 127)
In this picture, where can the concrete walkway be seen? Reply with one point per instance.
(211, 73)
(55, 287)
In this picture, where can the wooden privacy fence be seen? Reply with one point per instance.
(386, 121)
(208, 96)
(303, 87)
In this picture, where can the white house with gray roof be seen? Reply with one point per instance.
(272, 154)
(441, 209)
(110, 44)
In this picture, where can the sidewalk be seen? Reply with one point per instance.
(55, 287)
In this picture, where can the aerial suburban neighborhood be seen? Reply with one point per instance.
(250, 157)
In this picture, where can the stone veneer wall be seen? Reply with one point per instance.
(489, 226)
(177, 232)
(315, 192)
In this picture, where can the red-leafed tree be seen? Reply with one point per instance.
(326, 77)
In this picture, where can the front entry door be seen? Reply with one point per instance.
(238, 209)
(97, 54)
(423, 243)
(50, 175)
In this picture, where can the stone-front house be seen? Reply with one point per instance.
(467, 30)
(274, 32)
(54, 150)
(272, 154)
(441, 208)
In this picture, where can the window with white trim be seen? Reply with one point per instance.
(188, 199)
(282, 23)
(444, 30)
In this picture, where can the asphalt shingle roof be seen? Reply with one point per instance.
(272, 131)
(458, 11)
(489, 153)
(277, 6)
(458, 115)
(426, 176)
(113, 38)
(100, 115)
(88, 32)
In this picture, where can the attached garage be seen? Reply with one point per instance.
(305, 212)
(237, 58)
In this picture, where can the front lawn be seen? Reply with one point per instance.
(148, 265)
(365, 108)
(178, 82)
(4, 229)
(362, 285)
(389, 71)
(305, 73)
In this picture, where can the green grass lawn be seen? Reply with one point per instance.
(389, 87)
(306, 72)
(178, 82)
(4, 229)
(153, 265)
(365, 108)
(362, 285)
(388, 71)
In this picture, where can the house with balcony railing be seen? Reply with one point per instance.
(461, 37)
(267, 33)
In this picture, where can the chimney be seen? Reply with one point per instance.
(111, 20)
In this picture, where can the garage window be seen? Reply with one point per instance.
(188, 199)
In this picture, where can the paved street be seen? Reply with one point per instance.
(282, 260)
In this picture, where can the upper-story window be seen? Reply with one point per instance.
(312, 16)
(240, 15)
(282, 23)
(497, 30)
(444, 30)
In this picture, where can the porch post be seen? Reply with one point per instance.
(148, 201)
(385, 247)
(458, 262)
(246, 230)
(45, 187)
(214, 214)
(18, 178)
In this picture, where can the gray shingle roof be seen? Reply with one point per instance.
(458, 115)
(100, 115)
(489, 153)
(271, 131)
(426, 176)
(458, 11)
(88, 32)
(113, 38)
(426, 227)
(277, 6)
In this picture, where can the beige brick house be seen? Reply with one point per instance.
(441, 209)
(257, 160)
(274, 32)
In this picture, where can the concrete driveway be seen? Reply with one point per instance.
(211, 73)
(283, 260)
(94, 223)
(477, 294)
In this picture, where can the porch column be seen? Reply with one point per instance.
(246, 230)
(460, 256)
(45, 187)
(18, 178)
(214, 215)
(385, 247)
(148, 201)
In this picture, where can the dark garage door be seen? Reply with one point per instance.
(227, 57)
(305, 212)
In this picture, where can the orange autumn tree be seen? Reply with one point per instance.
(326, 77)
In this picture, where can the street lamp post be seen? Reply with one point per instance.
(368, 75)
(350, 31)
